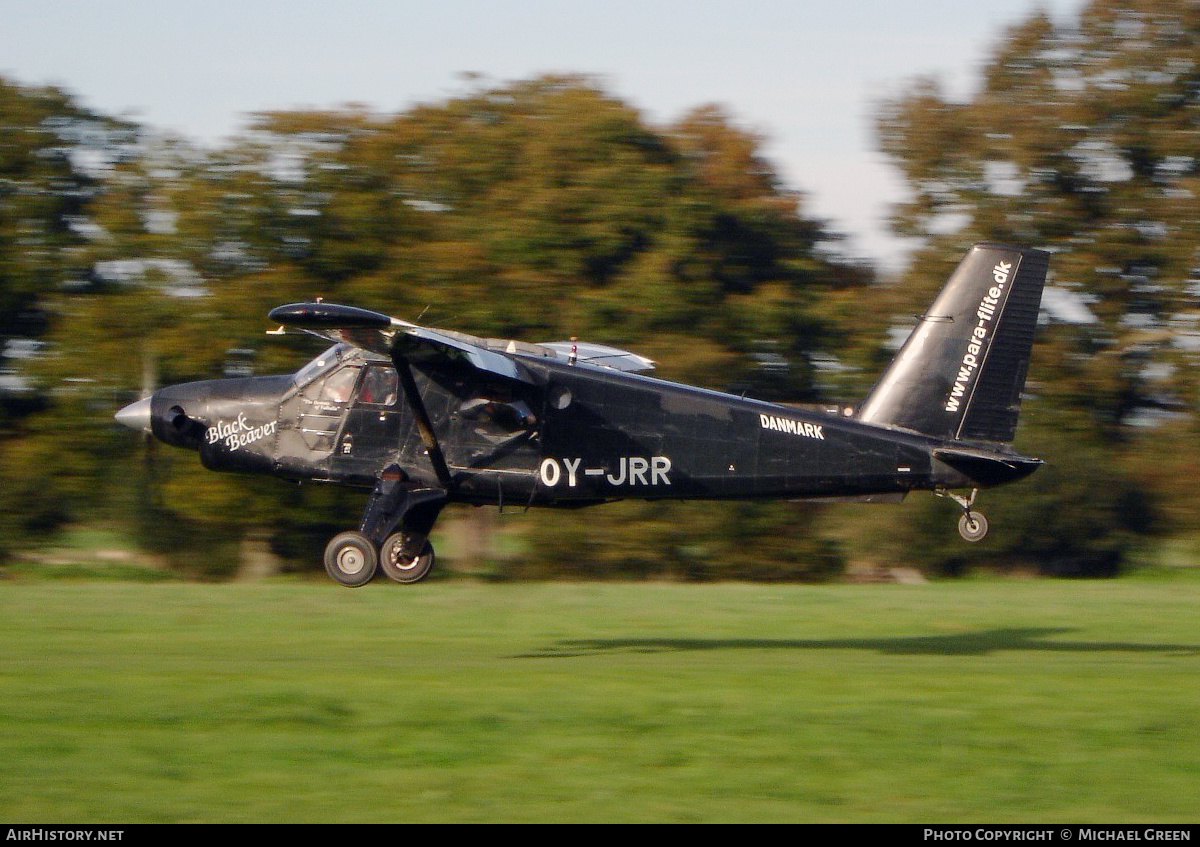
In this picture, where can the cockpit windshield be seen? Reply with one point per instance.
(322, 364)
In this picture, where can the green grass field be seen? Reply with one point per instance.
(980, 701)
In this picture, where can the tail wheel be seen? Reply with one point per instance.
(351, 560)
(401, 567)
(972, 526)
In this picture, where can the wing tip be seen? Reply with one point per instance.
(328, 316)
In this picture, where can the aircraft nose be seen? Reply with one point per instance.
(135, 415)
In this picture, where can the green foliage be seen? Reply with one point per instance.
(689, 542)
(1082, 140)
(1079, 515)
(539, 210)
(548, 208)
(41, 193)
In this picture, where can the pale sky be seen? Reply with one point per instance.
(806, 75)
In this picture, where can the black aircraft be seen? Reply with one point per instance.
(425, 417)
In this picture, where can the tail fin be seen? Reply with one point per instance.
(961, 372)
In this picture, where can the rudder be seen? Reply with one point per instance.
(961, 372)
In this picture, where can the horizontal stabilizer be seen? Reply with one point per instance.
(987, 468)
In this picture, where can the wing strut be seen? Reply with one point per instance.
(424, 425)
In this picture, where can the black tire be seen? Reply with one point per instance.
(972, 526)
(351, 559)
(396, 569)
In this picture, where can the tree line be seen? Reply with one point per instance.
(550, 208)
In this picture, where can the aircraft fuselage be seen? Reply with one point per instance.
(584, 435)
(425, 417)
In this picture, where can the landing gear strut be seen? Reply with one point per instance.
(393, 537)
(972, 526)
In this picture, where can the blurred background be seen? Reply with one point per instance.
(136, 253)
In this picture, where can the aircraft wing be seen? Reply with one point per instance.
(599, 355)
(395, 338)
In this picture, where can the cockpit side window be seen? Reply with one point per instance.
(327, 361)
(380, 386)
(338, 386)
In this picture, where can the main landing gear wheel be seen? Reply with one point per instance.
(351, 560)
(399, 567)
(972, 526)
